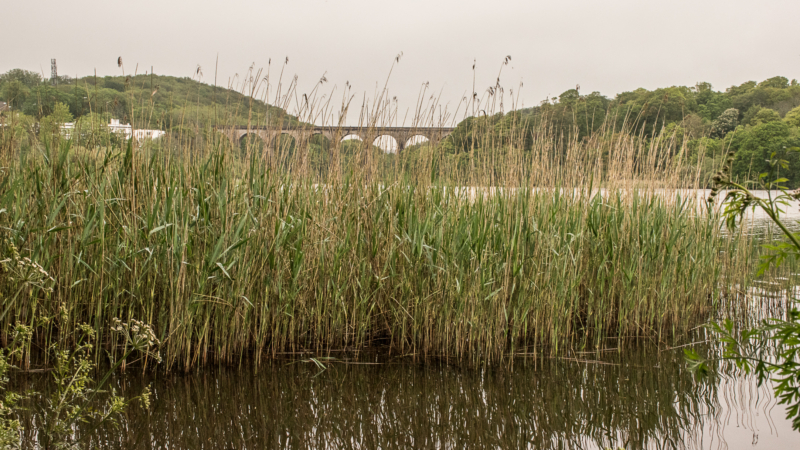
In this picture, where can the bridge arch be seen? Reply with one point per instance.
(351, 144)
(251, 143)
(416, 139)
(388, 143)
(321, 139)
(285, 145)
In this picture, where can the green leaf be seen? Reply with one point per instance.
(222, 268)
(157, 229)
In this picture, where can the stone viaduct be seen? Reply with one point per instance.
(301, 134)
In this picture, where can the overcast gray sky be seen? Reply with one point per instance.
(608, 46)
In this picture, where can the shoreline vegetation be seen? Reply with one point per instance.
(233, 251)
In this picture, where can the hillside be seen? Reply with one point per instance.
(155, 101)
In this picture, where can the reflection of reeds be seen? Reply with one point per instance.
(308, 244)
(638, 401)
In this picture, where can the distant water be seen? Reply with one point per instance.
(791, 212)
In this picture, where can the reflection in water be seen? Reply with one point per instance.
(635, 400)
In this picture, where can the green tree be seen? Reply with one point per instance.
(470, 133)
(792, 118)
(15, 93)
(114, 83)
(775, 82)
(725, 123)
(652, 110)
(26, 77)
(43, 99)
(775, 93)
(747, 117)
(79, 104)
(710, 104)
(765, 115)
(18, 131)
(51, 125)
(754, 145)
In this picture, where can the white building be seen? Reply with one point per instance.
(127, 130)
(66, 129)
(123, 129)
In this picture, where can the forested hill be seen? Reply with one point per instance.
(156, 101)
(700, 109)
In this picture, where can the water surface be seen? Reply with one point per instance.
(637, 398)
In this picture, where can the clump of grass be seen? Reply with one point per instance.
(231, 251)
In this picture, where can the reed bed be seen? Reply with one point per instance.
(236, 252)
